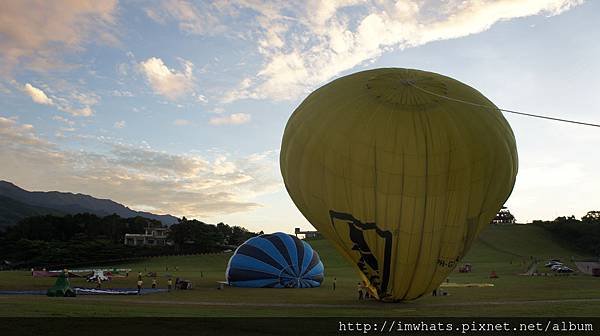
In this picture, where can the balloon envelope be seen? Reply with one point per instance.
(400, 179)
(276, 260)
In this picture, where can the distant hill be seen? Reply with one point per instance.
(507, 249)
(17, 203)
(11, 211)
(511, 241)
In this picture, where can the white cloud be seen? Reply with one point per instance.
(189, 184)
(303, 46)
(12, 133)
(325, 39)
(122, 69)
(122, 93)
(192, 19)
(119, 124)
(223, 166)
(232, 119)
(201, 98)
(63, 120)
(85, 111)
(37, 95)
(35, 33)
(167, 82)
(181, 122)
(84, 100)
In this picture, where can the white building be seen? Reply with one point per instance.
(307, 234)
(153, 236)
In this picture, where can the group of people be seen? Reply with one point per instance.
(364, 292)
(140, 283)
(362, 288)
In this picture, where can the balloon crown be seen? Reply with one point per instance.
(406, 89)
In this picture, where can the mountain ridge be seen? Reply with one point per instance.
(40, 202)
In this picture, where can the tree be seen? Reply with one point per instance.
(206, 237)
(591, 216)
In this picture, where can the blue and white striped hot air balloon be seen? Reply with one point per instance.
(277, 260)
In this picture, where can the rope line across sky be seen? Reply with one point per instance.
(411, 83)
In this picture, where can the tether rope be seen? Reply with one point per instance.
(411, 83)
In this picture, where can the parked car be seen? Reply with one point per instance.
(553, 263)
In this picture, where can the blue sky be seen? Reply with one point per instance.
(179, 107)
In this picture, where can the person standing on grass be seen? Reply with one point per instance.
(366, 292)
(169, 284)
(334, 281)
(139, 286)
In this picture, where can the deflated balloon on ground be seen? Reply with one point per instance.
(277, 260)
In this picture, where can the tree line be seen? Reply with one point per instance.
(579, 234)
(42, 241)
(195, 234)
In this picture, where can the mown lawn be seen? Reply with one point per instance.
(507, 250)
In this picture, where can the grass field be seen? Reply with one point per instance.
(507, 250)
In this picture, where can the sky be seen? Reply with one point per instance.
(179, 106)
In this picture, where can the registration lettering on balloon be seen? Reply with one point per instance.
(448, 263)
(355, 235)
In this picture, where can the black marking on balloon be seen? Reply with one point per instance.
(299, 253)
(367, 260)
(239, 274)
(280, 245)
(448, 263)
(314, 261)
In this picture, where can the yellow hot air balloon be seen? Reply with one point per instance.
(400, 169)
